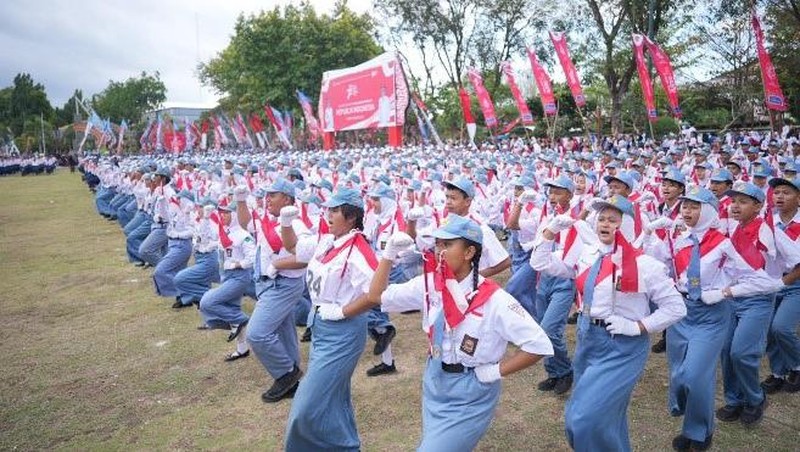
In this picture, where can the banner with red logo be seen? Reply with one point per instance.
(665, 73)
(484, 100)
(524, 113)
(543, 85)
(772, 89)
(574, 82)
(372, 94)
(644, 77)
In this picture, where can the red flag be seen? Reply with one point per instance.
(665, 73)
(543, 85)
(484, 100)
(256, 124)
(644, 77)
(524, 112)
(574, 82)
(463, 96)
(772, 89)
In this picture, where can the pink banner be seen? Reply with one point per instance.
(372, 94)
(574, 82)
(524, 112)
(543, 85)
(644, 77)
(484, 100)
(772, 89)
(665, 73)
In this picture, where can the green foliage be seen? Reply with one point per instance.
(274, 53)
(23, 101)
(130, 99)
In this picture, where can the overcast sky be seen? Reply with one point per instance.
(67, 44)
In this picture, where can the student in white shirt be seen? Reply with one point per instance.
(468, 338)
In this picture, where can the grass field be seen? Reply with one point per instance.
(93, 360)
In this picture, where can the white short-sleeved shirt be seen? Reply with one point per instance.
(487, 330)
(343, 278)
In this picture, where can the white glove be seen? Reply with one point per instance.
(647, 196)
(208, 210)
(240, 193)
(415, 214)
(592, 204)
(271, 272)
(288, 214)
(712, 296)
(399, 245)
(488, 373)
(330, 311)
(527, 196)
(658, 223)
(560, 223)
(230, 265)
(620, 325)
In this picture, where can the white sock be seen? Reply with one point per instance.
(387, 357)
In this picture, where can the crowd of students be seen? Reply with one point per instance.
(694, 243)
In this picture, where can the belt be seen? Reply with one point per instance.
(179, 238)
(598, 322)
(454, 368)
(263, 278)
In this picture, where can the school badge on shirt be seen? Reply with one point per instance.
(468, 345)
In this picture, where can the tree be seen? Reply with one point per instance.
(130, 99)
(783, 17)
(23, 101)
(615, 20)
(274, 53)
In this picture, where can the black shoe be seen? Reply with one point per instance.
(306, 335)
(704, 445)
(772, 384)
(282, 386)
(681, 443)
(547, 385)
(235, 333)
(660, 346)
(751, 415)
(236, 355)
(196, 303)
(179, 304)
(383, 341)
(729, 413)
(792, 381)
(563, 384)
(381, 369)
(573, 319)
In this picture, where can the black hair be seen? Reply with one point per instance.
(476, 259)
(353, 212)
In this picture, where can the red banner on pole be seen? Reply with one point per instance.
(524, 113)
(644, 77)
(574, 82)
(665, 73)
(772, 89)
(543, 85)
(463, 97)
(484, 100)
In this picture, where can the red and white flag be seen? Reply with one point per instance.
(543, 85)
(666, 74)
(772, 88)
(574, 82)
(644, 77)
(522, 106)
(484, 99)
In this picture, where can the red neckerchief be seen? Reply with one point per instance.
(745, 240)
(710, 240)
